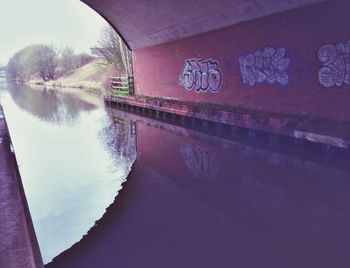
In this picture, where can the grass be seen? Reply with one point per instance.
(117, 93)
(89, 76)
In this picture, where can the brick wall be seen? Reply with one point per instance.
(285, 63)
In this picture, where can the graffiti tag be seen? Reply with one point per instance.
(267, 65)
(336, 64)
(201, 75)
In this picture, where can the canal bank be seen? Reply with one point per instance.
(302, 127)
(18, 243)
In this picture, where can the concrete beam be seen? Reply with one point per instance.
(144, 23)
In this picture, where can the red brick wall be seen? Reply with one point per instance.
(301, 32)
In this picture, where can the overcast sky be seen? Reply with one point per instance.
(59, 22)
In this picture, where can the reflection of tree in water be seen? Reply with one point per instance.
(49, 105)
(119, 139)
(202, 163)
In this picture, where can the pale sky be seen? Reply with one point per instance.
(57, 22)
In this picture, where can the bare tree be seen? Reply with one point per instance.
(34, 59)
(46, 61)
(67, 58)
(82, 59)
(112, 48)
(13, 67)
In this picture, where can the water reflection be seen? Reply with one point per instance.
(119, 139)
(49, 105)
(69, 174)
(194, 199)
(203, 164)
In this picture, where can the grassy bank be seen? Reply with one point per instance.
(91, 77)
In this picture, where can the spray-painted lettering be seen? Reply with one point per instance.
(201, 75)
(336, 64)
(268, 65)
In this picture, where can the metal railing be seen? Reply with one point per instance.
(123, 85)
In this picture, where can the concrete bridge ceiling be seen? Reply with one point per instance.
(144, 23)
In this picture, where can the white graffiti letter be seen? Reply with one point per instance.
(336, 64)
(187, 76)
(201, 75)
(267, 65)
(214, 76)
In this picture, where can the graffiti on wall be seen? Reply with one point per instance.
(268, 65)
(201, 75)
(336, 64)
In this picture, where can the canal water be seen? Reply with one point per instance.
(115, 188)
(69, 171)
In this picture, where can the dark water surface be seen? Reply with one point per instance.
(196, 196)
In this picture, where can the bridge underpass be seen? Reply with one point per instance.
(275, 66)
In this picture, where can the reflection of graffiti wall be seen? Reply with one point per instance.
(266, 65)
(202, 163)
(336, 64)
(201, 75)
